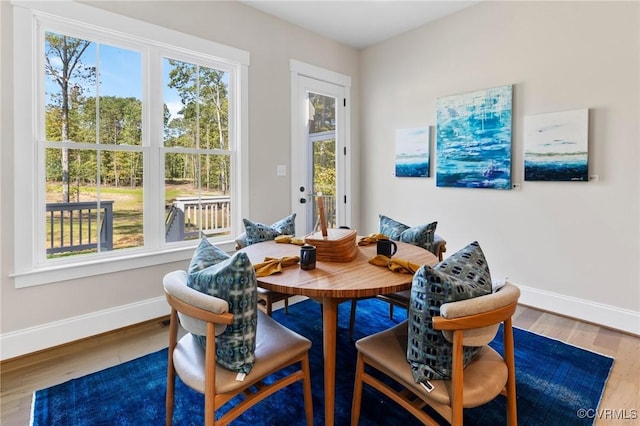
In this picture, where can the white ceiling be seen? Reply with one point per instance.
(359, 23)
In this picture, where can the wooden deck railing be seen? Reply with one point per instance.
(73, 226)
(188, 216)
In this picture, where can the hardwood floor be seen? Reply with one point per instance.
(22, 376)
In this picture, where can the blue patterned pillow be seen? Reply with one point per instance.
(421, 235)
(232, 279)
(463, 275)
(206, 254)
(258, 232)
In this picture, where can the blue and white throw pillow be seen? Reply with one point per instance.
(463, 275)
(206, 254)
(231, 278)
(421, 235)
(258, 232)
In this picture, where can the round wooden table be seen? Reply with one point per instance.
(333, 282)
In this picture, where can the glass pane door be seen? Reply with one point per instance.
(321, 139)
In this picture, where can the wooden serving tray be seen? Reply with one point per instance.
(338, 246)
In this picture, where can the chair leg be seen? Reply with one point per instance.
(457, 380)
(171, 372)
(269, 306)
(352, 317)
(357, 392)
(512, 410)
(286, 305)
(306, 383)
(210, 377)
(391, 310)
(171, 383)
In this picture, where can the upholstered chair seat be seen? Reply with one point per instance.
(282, 345)
(483, 379)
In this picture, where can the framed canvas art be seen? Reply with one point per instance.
(473, 148)
(412, 152)
(556, 146)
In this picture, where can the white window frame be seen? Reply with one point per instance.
(29, 20)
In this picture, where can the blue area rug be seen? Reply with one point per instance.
(554, 381)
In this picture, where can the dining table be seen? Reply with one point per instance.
(333, 282)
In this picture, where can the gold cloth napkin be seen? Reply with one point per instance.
(289, 239)
(371, 239)
(273, 265)
(395, 265)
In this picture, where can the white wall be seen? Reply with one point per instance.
(573, 247)
(37, 317)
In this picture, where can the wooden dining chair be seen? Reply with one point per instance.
(470, 322)
(277, 348)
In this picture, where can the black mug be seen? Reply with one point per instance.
(307, 257)
(387, 248)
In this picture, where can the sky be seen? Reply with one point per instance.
(120, 74)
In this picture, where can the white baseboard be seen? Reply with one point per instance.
(585, 310)
(56, 333)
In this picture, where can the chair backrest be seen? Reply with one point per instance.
(503, 300)
(194, 308)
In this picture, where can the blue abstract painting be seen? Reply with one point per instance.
(556, 146)
(473, 148)
(412, 152)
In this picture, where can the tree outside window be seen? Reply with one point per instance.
(95, 148)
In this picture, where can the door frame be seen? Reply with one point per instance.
(343, 142)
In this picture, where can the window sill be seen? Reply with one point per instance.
(59, 273)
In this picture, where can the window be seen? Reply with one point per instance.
(197, 152)
(130, 137)
(93, 147)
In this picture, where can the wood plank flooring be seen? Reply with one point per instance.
(20, 377)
